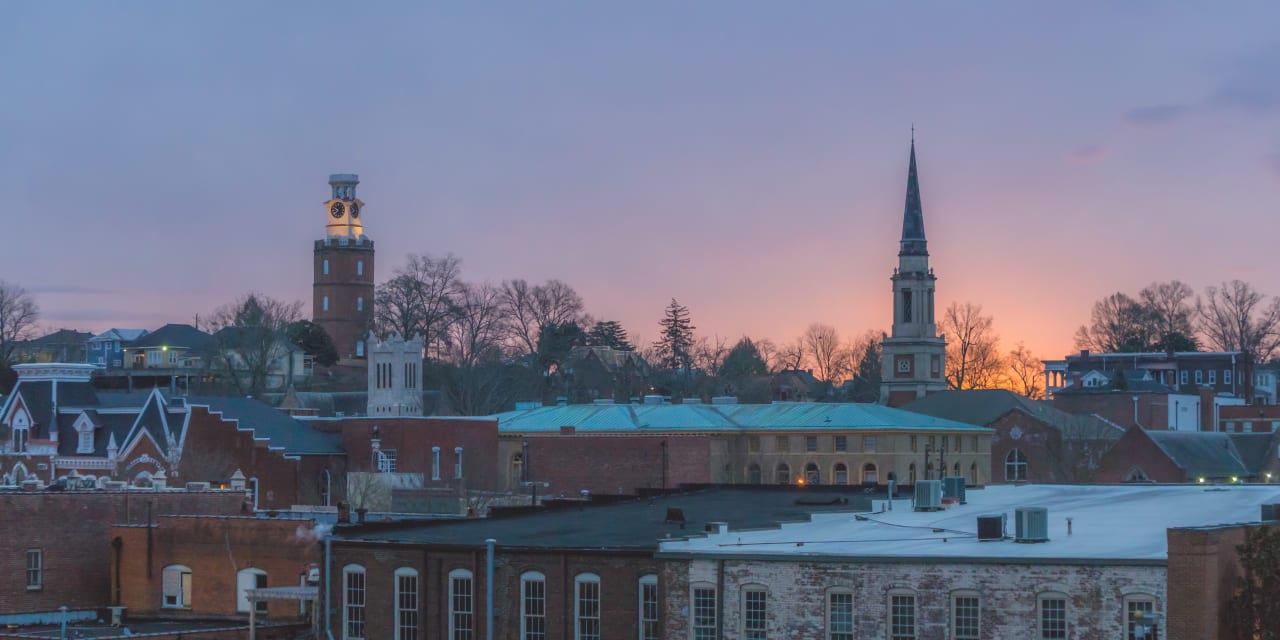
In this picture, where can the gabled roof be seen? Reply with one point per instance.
(798, 416)
(108, 425)
(985, 406)
(59, 337)
(123, 335)
(182, 336)
(1202, 454)
(1253, 449)
(280, 430)
(1134, 385)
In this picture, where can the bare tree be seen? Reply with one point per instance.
(1076, 447)
(419, 299)
(973, 356)
(709, 354)
(479, 325)
(250, 341)
(1119, 324)
(1169, 311)
(822, 347)
(18, 315)
(1237, 317)
(1026, 372)
(529, 308)
(866, 354)
(790, 356)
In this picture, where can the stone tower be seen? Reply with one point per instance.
(342, 294)
(395, 377)
(914, 361)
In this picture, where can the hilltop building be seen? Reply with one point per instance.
(342, 296)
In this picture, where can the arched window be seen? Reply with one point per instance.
(1139, 616)
(753, 474)
(841, 473)
(406, 604)
(250, 579)
(462, 604)
(911, 474)
(142, 480)
(973, 474)
(586, 607)
(533, 606)
(648, 624)
(177, 587)
(783, 473)
(1136, 474)
(869, 474)
(1015, 466)
(811, 474)
(353, 596)
(956, 469)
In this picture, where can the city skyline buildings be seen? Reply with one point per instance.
(744, 159)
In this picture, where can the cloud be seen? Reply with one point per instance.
(1155, 114)
(1088, 153)
(68, 289)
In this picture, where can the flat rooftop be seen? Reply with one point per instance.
(637, 524)
(143, 628)
(1111, 524)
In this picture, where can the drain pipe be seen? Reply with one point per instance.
(328, 583)
(488, 589)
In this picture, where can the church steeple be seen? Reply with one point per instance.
(913, 240)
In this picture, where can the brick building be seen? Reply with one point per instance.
(1204, 564)
(1102, 556)
(1032, 441)
(1142, 455)
(342, 293)
(611, 448)
(570, 565)
(1220, 371)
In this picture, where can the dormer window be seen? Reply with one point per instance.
(21, 431)
(86, 441)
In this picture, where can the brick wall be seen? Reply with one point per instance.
(215, 549)
(343, 285)
(603, 463)
(1118, 407)
(72, 529)
(1035, 440)
(1008, 595)
(1203, 566)
(412, 440)
(1135, 450)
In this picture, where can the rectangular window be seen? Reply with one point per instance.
(842, 443)
(1226, 376)
(19, 440)
(869, 444)
(435, 463)
(1248, 426)
(1138, 616)
(1182, 377)
(914, 444)
(959, 444)
(754, 614)
(1053, 618)
(324, 302)
(386, 460)
(587, 610)
(649, 608)
(945, 442)
(840, 616)
(177, 587)
(35, 569)
(1213, 376)
(783, 443)
(753, 444)
(359, 267)
(457, 467)
(704, 613)
(86, 441)
(1199, 376)
(533, 609)
(326, 266)
(353, 599)
(811, 443)
(461, 608)
(359, 303)
(406, 606)
(902, 617)
(964, 617)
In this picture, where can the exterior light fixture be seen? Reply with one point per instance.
(1200, 480)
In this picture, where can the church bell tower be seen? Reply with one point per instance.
(342, 293)
(914, 359)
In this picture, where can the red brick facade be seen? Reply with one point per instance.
(1135, 450)
(348, 287)
(412, 440)
(1203, 566)
(571, 462)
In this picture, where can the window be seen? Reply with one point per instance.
(353, 602)
(649, 608)
(1199, 376)
(753, 444)
(1213, 376)
(955, 470)
(973, 443)
(360, 348)
(959, 444)
(783, 443)
(811, 474)
(250, 579)
(902, 616)
(783, 473)
(839, 615)
(841, 473)
(85, 445)
(457, 467)
(911, 474)
(359, 303)
(753, 474)
(20, 425)
(906, 305)
(869, 475)
(461, 606)
(842, 443)
(324, 303)
(35, 569)
(811, 443)
(913, 444)
(869, 444)
(945, 442)
(533, 606)
(704, 612)
(754, 614)
(964, 616)
(326, 266)
(177, 587)
(1139, 615)
(1226, 376)
(359, 267)
(435, 463)
(1182, 377)
(1015, 466)
(406, 604)
(586, 608)
(386, 460)
(1053, 618)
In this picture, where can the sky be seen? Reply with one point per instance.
(747, 158)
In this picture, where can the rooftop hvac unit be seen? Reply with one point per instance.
(929, 495)
(990, 528)
(953, 487)
(1032, 524)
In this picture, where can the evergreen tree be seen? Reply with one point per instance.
(674, 348)
(555, 341)
(743, 361)
(609, 333)
(314, 341)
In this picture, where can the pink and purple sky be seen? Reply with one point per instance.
(748, 158)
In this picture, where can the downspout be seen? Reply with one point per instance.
(720, 598)
(1135, 411)
(328, 583)
(488, 589)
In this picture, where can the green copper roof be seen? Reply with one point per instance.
(781, 416)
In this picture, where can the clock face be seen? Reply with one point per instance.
(904, 365)
(336, 210)
(355, 210)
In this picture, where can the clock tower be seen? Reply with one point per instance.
(914, 357)
(342, 293)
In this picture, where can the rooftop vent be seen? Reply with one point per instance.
(717, 527)
(990, 528)
(1031, 524)
(953, 487)
(929, 495)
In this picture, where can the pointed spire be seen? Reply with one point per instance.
(913, 240)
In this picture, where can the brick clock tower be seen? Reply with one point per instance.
(914, 361)
(342, 296)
